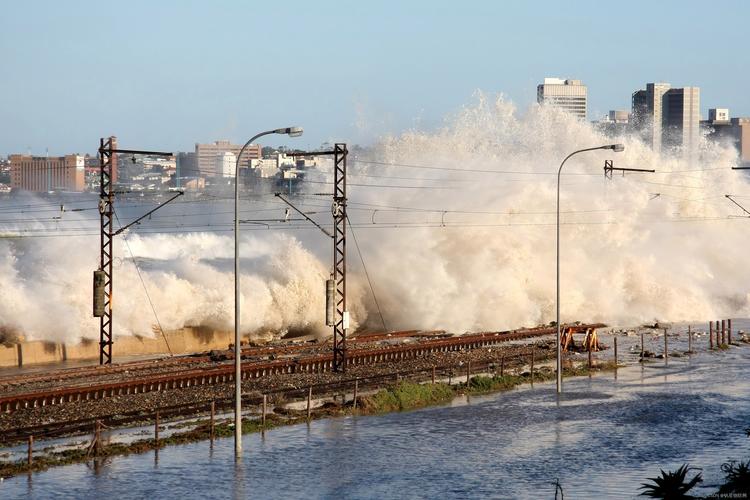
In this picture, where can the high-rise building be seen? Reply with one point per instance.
(682, 119)
(570, 95)
(667, 118)
(647, 113)
(47, 173)
(205, 156)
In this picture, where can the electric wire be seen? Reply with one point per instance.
(213, 228)
(348, 184)
(519, 172)
(367, 275)
(456, 169)
(145, 289)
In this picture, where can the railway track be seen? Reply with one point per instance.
(119, 419)
(165, 363)
(254, 369)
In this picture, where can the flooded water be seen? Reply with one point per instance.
(602, 438)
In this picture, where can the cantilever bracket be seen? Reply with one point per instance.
(609, 167)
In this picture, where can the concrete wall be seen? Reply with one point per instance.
(184, 341)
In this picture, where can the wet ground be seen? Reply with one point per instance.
(602, 438)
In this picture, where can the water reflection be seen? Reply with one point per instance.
(238, 481)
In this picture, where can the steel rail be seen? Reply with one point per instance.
(162, 363)
(193, 409)
(316, 363)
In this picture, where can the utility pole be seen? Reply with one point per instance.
(340, 321)
(104, 279)
(103, 286)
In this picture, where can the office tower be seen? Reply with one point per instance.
(682, 120)
(667, 118)
(47, 173)
(570, 95)
(647, 113)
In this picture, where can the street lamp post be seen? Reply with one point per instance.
(291, 132)
(614, 147)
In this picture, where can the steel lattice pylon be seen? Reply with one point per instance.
(108, 167)
(339, 256)
(338, 209)
(106, 160)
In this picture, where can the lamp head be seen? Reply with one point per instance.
(290, 131)
(617, 148)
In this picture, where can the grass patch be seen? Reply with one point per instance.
(583, 369)
(406, 396)
(409, 395)
(483, 384)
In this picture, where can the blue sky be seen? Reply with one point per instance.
(166, 74)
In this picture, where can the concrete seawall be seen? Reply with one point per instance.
(183, 341)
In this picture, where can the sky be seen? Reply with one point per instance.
(163, 75)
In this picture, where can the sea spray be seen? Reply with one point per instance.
(450, 246)
(281, 286)
(634, 248)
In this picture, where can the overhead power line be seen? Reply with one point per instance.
(218, 228)
(457, 169)
(490, 171)
(367, 275)
(731, 198)
(143, 283)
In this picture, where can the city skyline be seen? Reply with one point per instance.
(355, 76)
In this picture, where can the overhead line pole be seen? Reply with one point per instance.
(339, 258)
(103, 277)
(338, 210)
